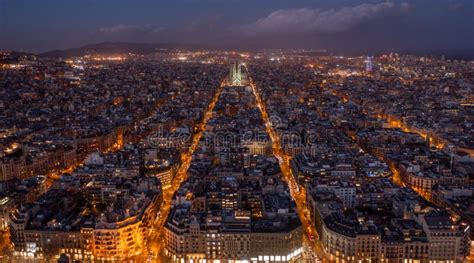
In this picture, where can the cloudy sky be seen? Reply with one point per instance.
(338, 25)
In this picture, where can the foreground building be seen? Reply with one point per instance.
(88, 217)
(234, 219)
(410, 229)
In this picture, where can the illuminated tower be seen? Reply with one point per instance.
(235, 73)
(369, 65)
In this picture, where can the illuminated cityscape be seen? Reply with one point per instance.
(293, 132)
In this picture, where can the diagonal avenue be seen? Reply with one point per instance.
(313, 248)
(156, 241)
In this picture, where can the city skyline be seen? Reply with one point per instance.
(237, 131)
(218, 156)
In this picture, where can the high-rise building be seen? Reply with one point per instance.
(369, 65)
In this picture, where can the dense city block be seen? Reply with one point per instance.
(217, 156)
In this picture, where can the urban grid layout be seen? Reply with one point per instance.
(236, 157)
(295, 138)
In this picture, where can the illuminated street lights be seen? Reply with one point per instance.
(157, 239)
(298, 193)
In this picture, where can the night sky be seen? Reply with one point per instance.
(338, 25)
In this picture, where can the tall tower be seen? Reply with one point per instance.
(368, 64)
(235, 73)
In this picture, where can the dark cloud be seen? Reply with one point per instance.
(456, 6)
(304, 20)
(205, 24)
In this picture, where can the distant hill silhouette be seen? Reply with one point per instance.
(114, 48)
(111, 48)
